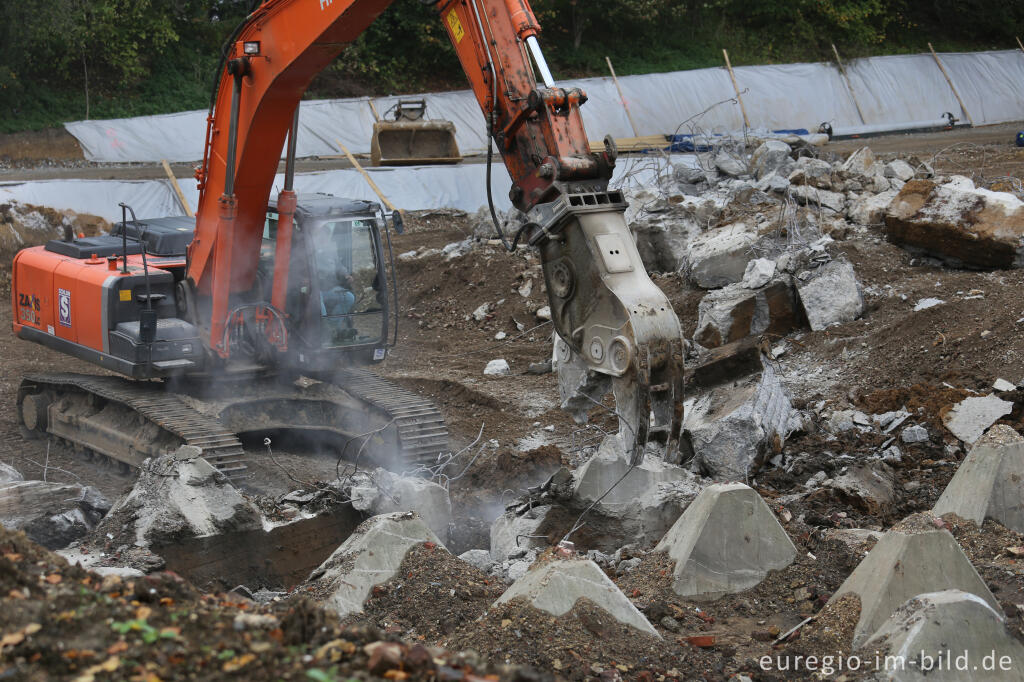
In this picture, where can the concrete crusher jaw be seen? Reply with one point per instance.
(609, 312)
(126, 422)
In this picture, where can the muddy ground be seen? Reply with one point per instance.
(891, 358)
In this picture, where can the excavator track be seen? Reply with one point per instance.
(422, 432)
(220, 446)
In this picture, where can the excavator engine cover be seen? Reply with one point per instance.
(411, 139)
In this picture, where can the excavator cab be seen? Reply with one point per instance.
(338, 299)
(413, 139)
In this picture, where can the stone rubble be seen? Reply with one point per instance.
(51, 514)
(971, 417)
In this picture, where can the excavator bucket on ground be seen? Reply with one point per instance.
(411, 139)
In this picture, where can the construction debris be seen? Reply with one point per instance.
(830, 295)
(731, 430)
(725, 542)
(371, 556)
(969, 419)
(947, 635)
(384, 492)
(51, 514)
(734, 312)
(555, 586)
(646, 498)
(989, 484)
(959, 223)
(720, 257)
(514, 533)
(179, 496)
(903, 565)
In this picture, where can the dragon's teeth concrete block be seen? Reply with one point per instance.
(725, 542)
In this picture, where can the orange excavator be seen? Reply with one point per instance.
(214, 319)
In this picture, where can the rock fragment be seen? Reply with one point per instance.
(734, 312)
(514, 533)
(719, 257)
(970, 418)
(957, 222)
(497, 368)
(51, 514)
(725, 542)
(832, 295)
(384, 492)
(730, 430)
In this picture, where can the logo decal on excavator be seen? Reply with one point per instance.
(456, 26)
(64, 307)
(29, 306)
(325, 3)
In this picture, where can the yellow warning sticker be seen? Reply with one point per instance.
(456, 26)
(125, 294)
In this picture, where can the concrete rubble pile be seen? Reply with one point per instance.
(51, 514)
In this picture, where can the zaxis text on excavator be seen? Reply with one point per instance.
(206, 317)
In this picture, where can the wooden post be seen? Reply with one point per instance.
(625, 105)
(951, 86)
(177, 189)
(376, 117)
(736, 87)
(1021, 46)
(369, 180)
(849, 85)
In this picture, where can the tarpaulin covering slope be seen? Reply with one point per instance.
(890, 90)
(410, 188)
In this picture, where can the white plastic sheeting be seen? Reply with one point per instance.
(891, 90)
(411, 188)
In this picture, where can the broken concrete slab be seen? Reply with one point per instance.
(725, 542)
(179, 496)
(370, 556)
(646, 502)
(871, 486)
(959, 223)
(730, 164)
(770, 156)
(952, 626)
(729, 431)
(384, 492)
(969, 418)
(814, 197)
(869, 209)
(719, 257)
(9, 474)
(831, 295)
(914, 434)
(989, 484)
(900, 170)
(758, 273)
(51, 514)
(515, 532)
(662, 237)
(726, 363)
(859, 162)
(555, 586)
(481, 558)
(903, 565)
(812, 172)
(734, 312)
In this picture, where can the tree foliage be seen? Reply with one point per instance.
(148, 56)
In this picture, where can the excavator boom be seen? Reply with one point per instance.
(604, 306)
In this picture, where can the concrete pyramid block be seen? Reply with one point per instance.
(725, 542)
(946, 636)
(556, 586)
(989, 483)
(903, 565)
(370, 556)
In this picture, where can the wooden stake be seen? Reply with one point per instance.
(369, 180)
(951, 86)
(177, 189)
(736, 87)
(849, 85)
(625, 105)
(376, 117)
(1020, 45)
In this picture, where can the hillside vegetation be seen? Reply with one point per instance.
(65, 60)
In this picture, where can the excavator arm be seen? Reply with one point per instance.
(604, 306)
